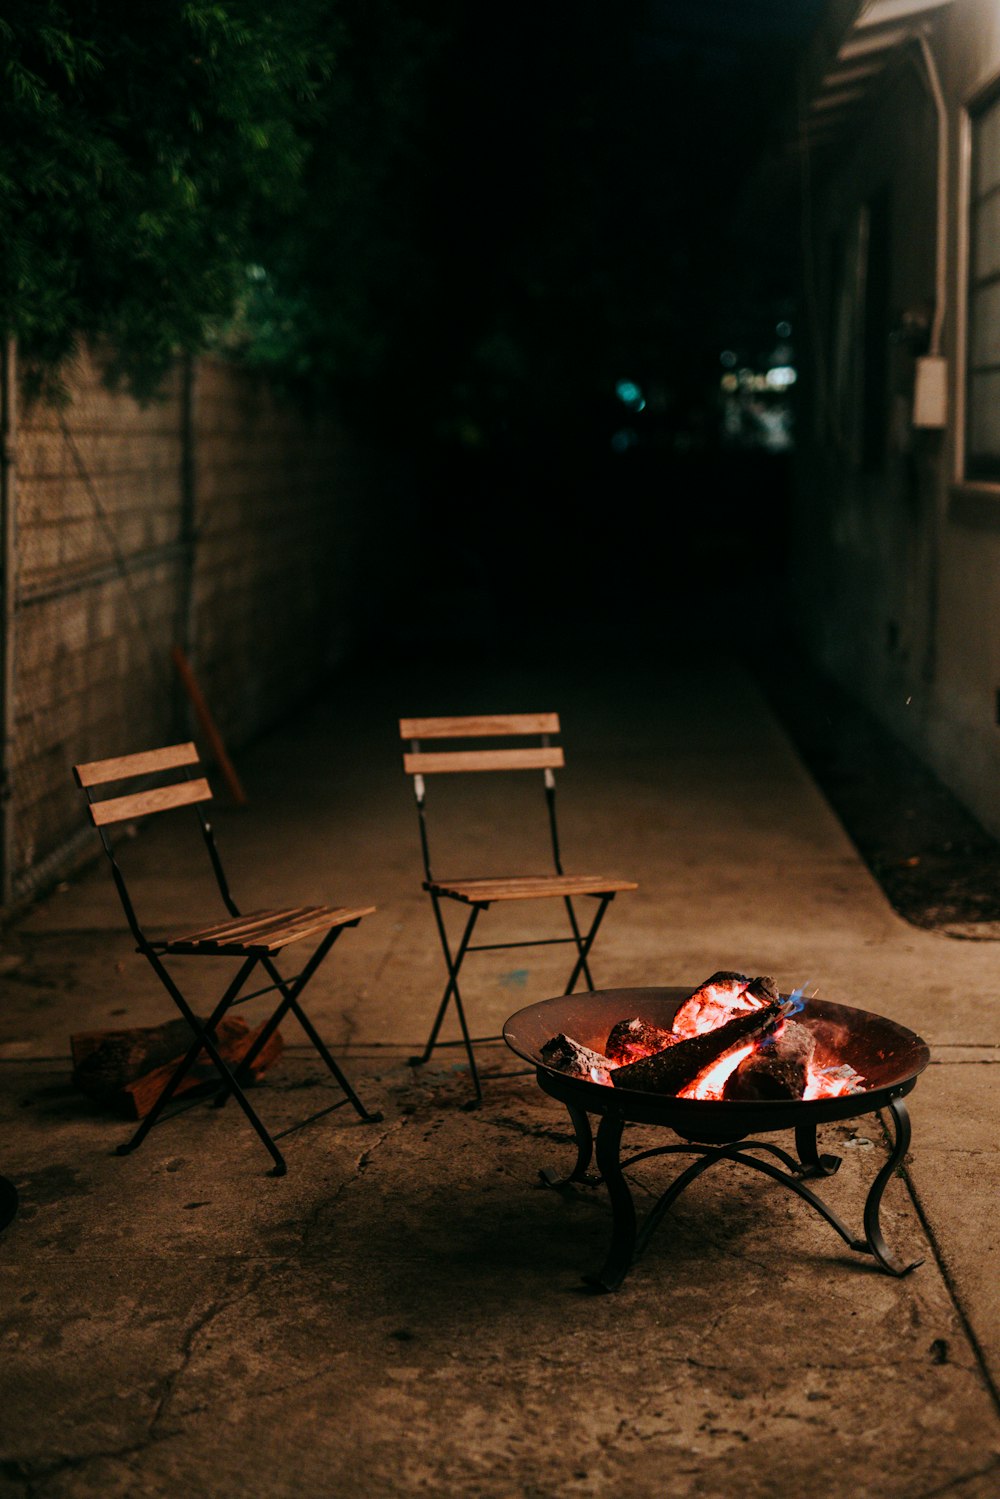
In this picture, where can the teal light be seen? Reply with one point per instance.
(629, 394)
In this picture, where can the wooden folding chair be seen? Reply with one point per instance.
(480, 893)
(255, 938)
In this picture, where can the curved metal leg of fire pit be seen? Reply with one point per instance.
(708, 1155)
(873, 1242)
(627, 1243)
(584, 1154)
(622, 1248)
(812, 1163)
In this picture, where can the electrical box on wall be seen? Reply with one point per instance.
(930, 392)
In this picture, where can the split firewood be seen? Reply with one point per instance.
(568, 1056)
(128, 1069)
(631, 1039)
(719, 997)
(671, 1070)
(763, 988)
(777, 1068)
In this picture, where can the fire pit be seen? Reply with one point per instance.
(887, 1057)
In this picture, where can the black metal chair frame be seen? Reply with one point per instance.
(547, 758)
(193, 792)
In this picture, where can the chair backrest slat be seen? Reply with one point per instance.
(420, 761)
(142, 803)
(486, 726)
(442, 761)
(125, 767)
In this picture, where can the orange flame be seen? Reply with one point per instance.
(714, 1005)
(712, 1079)
(717, 1003)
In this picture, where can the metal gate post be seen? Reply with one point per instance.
(8, 602)
(184, 630)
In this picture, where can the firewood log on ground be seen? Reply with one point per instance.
(127, 1070)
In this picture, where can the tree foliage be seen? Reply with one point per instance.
(145, 144)
(328, 302)
(476, 217)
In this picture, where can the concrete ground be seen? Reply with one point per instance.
(402, 1313)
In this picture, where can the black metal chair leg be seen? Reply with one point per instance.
(324, 1052)
(574, 924)
(451, 987)
(207, 1044)
(467, 1039)
(289, 1003)
(289, 991)
(588, 943)
(202, 1042)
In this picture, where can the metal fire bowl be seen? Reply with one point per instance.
(889, 1057)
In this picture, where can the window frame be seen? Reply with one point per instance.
(975, 470)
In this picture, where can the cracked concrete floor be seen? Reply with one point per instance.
(402, 1314)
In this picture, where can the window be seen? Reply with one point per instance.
(982, 438)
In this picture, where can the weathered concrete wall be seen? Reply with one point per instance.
(216, 518)
(897, 563)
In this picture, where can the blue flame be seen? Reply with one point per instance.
(796, 999)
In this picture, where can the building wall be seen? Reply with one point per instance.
(215, 518)
(897, 564)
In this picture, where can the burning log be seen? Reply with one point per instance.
(777, 1068)
(671, 1070)
(631, 1039)
(719, 998)
(764, 988)
(567, 1055)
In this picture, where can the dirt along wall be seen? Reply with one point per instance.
(216, 518)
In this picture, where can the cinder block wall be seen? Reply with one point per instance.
(222, 520)
(276, 553)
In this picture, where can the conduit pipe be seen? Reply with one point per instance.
(941, 248)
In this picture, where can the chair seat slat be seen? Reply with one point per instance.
(296, 933)
(479, 727)
(529, 887)
(447, 761)
(142, 803)
(269, 933)
(248, 921)
(124, 767)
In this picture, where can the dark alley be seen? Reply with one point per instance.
(406, 410)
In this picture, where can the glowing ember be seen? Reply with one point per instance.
(821, 1082)
(710, 1083)
(719, 999)
(833, 1082)
(779, 1068)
